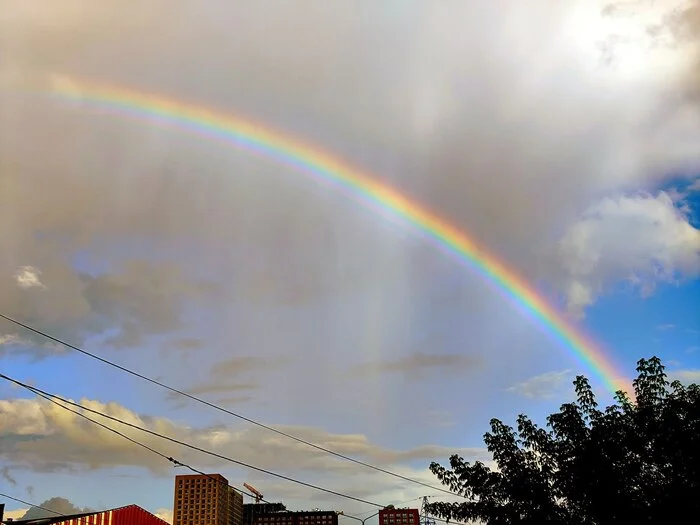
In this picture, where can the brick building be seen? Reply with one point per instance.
(206, 500)
(235, 503)
(392, 516)
(314, 517)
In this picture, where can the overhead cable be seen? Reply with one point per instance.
(62, 402)
(220, 408)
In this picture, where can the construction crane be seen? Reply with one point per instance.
(258, 495)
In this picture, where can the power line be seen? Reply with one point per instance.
(88, 522)
(221, 409)
(49, 396)
(30, 504)
(82, 515)
(53, 397)
(60, 513)
(175, 462)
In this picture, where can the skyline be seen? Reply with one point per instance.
(561, 139)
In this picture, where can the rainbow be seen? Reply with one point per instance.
(379, 196)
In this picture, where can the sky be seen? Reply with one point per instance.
(561, 135)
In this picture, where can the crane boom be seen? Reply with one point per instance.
(258, 495)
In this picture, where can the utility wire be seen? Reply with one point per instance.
(53, 399)
(30, 504)
(83, 515)
(2, 495)
(221, 409)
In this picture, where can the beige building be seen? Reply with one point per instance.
(206, 500)
(235, 503)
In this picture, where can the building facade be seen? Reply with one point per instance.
(392, 516)
(250, 510)
(206, 500)
(129, 515)
(316, 517)
(235, 507)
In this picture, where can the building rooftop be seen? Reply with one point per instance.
(58, 518)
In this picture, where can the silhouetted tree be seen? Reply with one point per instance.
(634, 462)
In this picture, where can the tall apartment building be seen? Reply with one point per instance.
(392, 516)
(206, 500)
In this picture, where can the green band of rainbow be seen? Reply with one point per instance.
(314, 162)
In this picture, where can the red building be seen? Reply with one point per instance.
(393, 516)
(129, 515)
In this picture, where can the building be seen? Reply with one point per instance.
(250, 510)
(129, 515)
(315, 517)
(206, 499)
(392, 516)
(235, 507)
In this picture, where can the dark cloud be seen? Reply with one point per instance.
(190, 343)
(215, 388)
(235, 366)
(418, 364)
(57, 505)
(5, 473)
(237, 374)
(500, 117)
(462, 112)
(145, 298)
(132, 302)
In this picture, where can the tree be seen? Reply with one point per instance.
(634, 462)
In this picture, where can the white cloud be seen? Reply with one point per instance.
(641, 239)
(42, 437)
(55, 444)
(10, 339)
(665, 327)
(543, 386)
(15, 514)
(685, 376)
(165, 514)
(28, 277)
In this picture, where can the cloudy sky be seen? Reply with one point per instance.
(562, 135)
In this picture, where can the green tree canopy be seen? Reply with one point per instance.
(634, 462)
